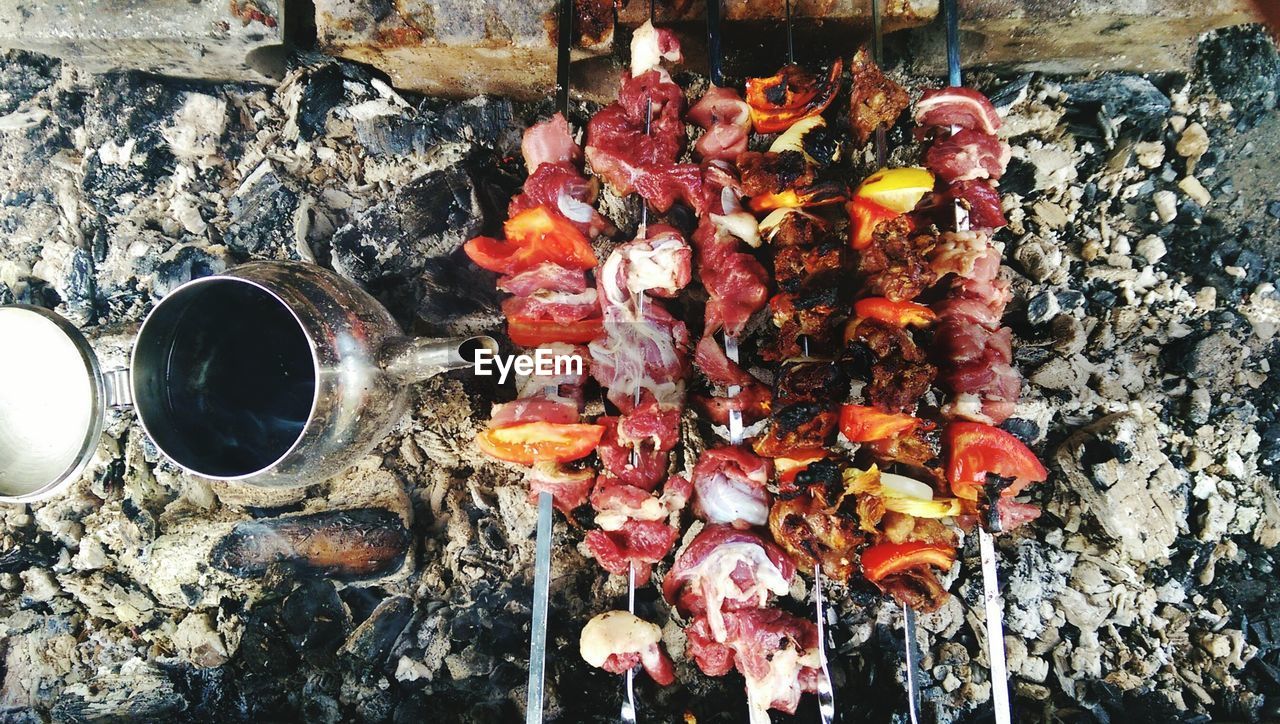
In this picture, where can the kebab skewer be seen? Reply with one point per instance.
(543, 262)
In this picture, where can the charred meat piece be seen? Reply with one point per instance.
(899, 371)
(875, 100)
(815, 522)
(811, 381)
(357, 544)
(896, 263)
(792, 227)
(792, 265)
(772, 173)
(802, 426)
(916, 588)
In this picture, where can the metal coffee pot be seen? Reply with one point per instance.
(275, 374)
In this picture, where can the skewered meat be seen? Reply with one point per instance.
(616, 503)
(727, 121)
(568, 488)
(560, 307)
(549, 142)
(875, 100)
(803, 416)
(546, 276)
(652, 46)
(776, 653)
(726, 569)
(968, 155)
(887, 358)
(815, 521)
(772, 173)
(639, 543)
(982, 200)
(533, 409)
(792, 265)
(729, 487)
(753, 398)
(896, 263)
(963, 107)
(641, 465)
(792, 227)
(562, 187)
(618, 640)
(737, 285)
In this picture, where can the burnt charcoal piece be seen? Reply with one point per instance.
(40, 551)
(315, 618)
(1240, 64)
(407, 250)
(6, 294)
(262, 219)
(23, 75)
(486, 121)
(38, 293)
(190, 262)
(372, 640)
(1118, 99)
(347, 545)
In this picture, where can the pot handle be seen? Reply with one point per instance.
(117, 387)
(409, 360)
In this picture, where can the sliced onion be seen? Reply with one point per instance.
(900, 486)
(792, 139)
(573, 209)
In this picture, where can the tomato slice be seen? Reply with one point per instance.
(534, 236)
(527, 332)
(885, 559)
(536, 442)
(864, 216)
(975, 450)
(899, 314)
(861, 423)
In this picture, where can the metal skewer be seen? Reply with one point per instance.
(992, 603)
(542, 547)
(909, 626)
(628, 713)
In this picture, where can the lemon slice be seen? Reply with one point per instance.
(897, 189)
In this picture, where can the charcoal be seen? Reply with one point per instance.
(1273, 209)
(372, 640)
(38, 293)
(23, 75)
(315, 618)
(484, 121)
(128, 113)
(262, 219)
(407, 250)
(189, 262)
(6, 294)
(1121, 98)
(37, 551)
(1041, 308)
(1240, 64)
(141, 695)
(347, 545)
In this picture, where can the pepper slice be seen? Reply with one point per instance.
(533, 236)
(536, 442)
(899, 314)
(975, 450)
(527, 332)
(795, 462)
(862, 423)
(885, 559)
(864, 216)
(822, 193)
(790, 95)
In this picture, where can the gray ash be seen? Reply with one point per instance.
(1141, 252)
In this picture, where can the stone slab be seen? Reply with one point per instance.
(1077, 36)
(238, 40)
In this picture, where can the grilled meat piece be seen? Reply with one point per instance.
(772, 173)
(792, 227)
(899, 371)
(802, 426)
(811, 381)
(792, 265)
(896, 264)
(874, 100)
(815, 522)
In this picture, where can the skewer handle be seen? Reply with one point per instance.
(995, 627)
(912, 655)
(564, 48)
(713, 43)
(951, 16)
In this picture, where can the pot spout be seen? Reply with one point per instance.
(412, 360)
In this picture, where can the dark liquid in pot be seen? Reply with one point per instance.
(238, 381)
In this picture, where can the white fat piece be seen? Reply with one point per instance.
(653, 265)
(784, 674)
(616, 632)
(724, 502)
(715, 576)
(646, 53)
(735, 220)
(651, 509)
(548, 296)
